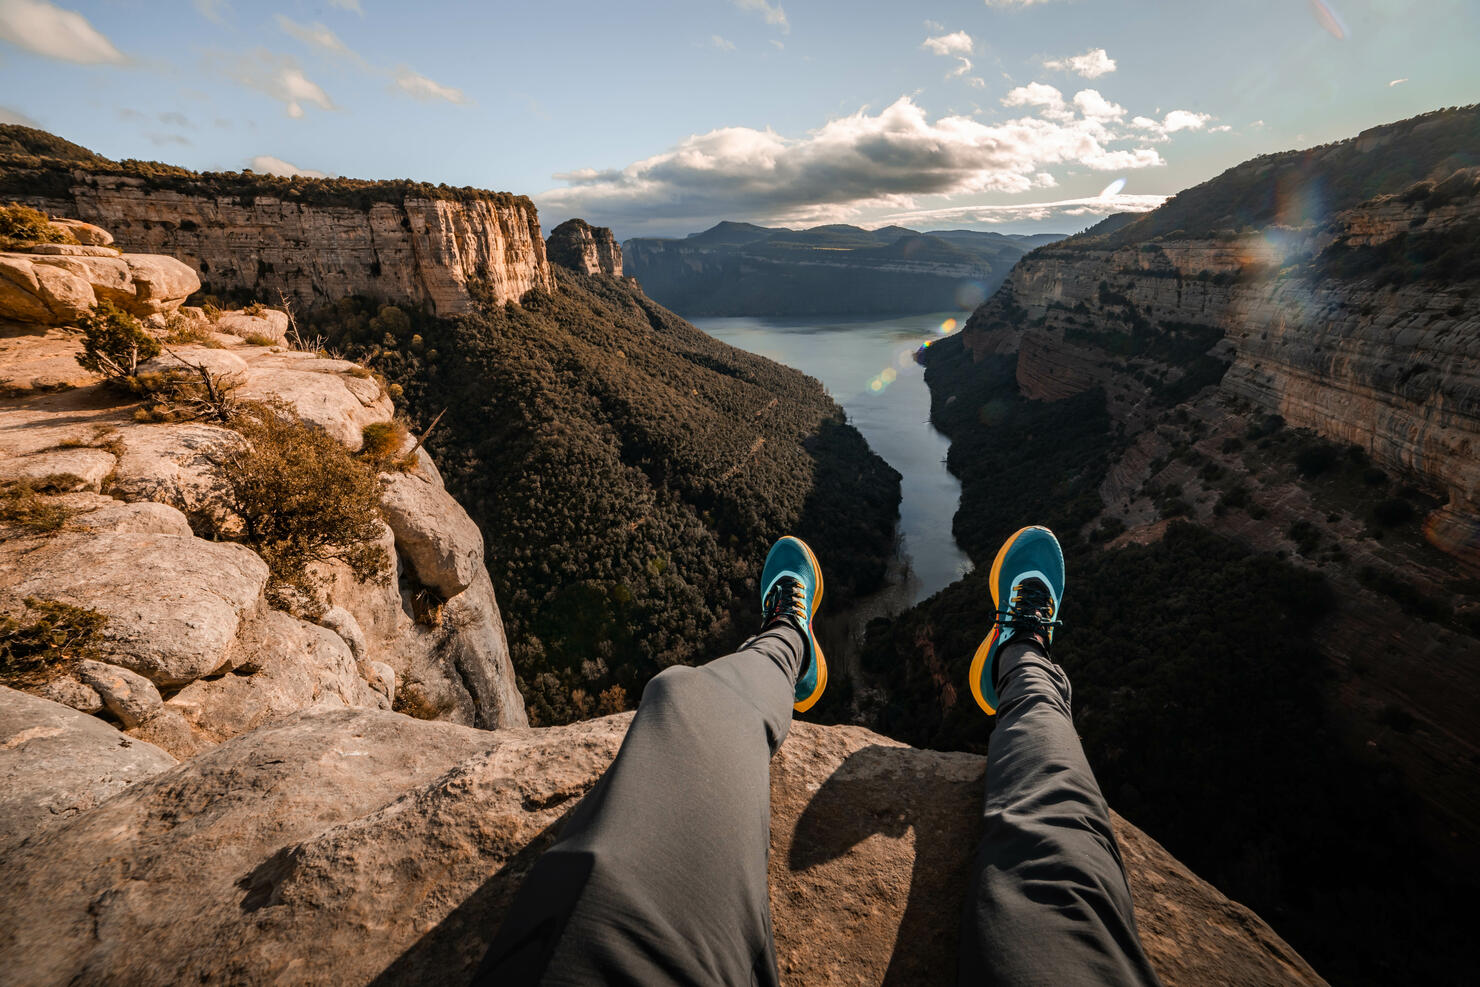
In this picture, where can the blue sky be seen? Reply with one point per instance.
(662, 117)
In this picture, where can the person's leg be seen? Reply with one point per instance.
(659, 875)
(1048, 902)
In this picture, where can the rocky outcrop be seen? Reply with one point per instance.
(380, 240)
(582, 247)
(56, 284)
(56, 763)
(190, 651)
(355, 846)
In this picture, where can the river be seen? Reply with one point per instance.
(867, 365)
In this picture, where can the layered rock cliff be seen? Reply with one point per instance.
(316, 240)
(582, 247)
(355, 846)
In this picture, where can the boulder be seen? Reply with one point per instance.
(217, 361)
(52, 289)
(143, 517)
(321, 392)
(85, 233)
(71, 250)
(127, 695)
(80, 468)
(269, 322)
(37, 359)
(172, 464)
(68, 691)
(56, 762)
(443, 545)
(288, 665)
(357, 847)
(174, 603)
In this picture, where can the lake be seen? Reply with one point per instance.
(867, 365)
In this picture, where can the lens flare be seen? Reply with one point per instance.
(970, 294)
(1329, 19)
(1113, 188)
(948, 326)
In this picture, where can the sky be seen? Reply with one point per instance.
(661, 118)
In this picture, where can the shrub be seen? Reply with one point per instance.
(23, 506)
(114, 343)
(21, 224)
(1316, 458)
(302, 499)
(259, 339)
(382, 446)
(47, 639)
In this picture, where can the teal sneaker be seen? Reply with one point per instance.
(1028, 573)
(791, 587)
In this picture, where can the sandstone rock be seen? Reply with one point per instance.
(143, 517)
(350, 847)
(71, 250)
(294, 665)
(84, 233)
(474, 642)
(58, 288)
(217, 361)
(339, 404)
(582, 247)
(174, 604)
(65, 469)
(383, 680)
(432, 530)
(343, 623)
(37, 359)
(171, 464)
(127, 695)
(68, 691)
(56, 762)
(270, 322)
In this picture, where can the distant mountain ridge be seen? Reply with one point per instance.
(744, 269)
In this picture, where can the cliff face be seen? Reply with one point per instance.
(355, 847)
(582, 247)
(420, 251)
(1391, 368)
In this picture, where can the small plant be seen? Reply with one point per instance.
(46, 640)
(114, 344)
(23, 506)
(179, 329)
(259, 339)
(256, 308)
(302, 499)
(22, 225)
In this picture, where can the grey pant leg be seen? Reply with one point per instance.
(1048, 902)
(660, 873)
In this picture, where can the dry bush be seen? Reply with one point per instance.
(382, 446)
(23, 225)
(46, 640)
(23, 506)
(260, 339)
(302, 499)
(179, 329)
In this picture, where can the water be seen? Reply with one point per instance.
(868, 367)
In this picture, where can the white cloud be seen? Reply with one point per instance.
(279, 77)
(772, 13)
(1160, 130)
(1092, 64)
(316, 35)
(269, 165)
(212, 10)
(862, 161)
(723, 44)
(351, 5)
(956, 43)
(421, 87)
(1397, 82)
(934, 26)
(1097, 205)
(44, 29)
(778, 45)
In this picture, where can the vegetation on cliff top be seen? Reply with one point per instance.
(629, 473)
(36, 163)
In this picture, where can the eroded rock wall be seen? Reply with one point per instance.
(582, 247)
(419, 251)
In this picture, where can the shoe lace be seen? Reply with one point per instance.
(1030, 610)
(788, 598)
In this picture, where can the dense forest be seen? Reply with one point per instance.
(629, 474)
